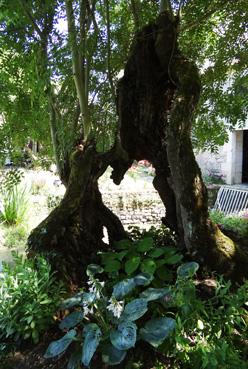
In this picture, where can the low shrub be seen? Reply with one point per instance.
(212, 333)
(213, 178)
(15, 236)
(29, 297)
(233, 223)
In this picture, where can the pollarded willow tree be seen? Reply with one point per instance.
(156, 102)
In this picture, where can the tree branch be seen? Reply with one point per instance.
(208, 13)
(31, 18)
(78, 59)
(110, 76)
(135, 10)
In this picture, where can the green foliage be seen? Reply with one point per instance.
(209, 333)
(29, 297)
(15, 235)
(14, 197)
(113, 325)
(236, 224)
(213, 178)
(53, 201)
(176, 319)
(214, 36)
(146, 254)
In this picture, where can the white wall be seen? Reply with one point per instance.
(228, 161)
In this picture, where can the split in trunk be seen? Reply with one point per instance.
(71, 235)
(156, 99)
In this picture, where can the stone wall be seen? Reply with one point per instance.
(143, 209)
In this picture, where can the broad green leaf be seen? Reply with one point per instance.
(160, 262)
(112, 356)
(125, 336)
(187, 270)
(93, 269)
(157, 330)
(152, 294)
(156, 253)
(169, 251)
(132, 264)
(107, 257)
(145, 244)
(124, 287)
(121, 255)
(173, 259)
(57, 347)
(92, 336)
(123, 244)
(148, 266)
(134, 310)
(112, 266)
(71, 320)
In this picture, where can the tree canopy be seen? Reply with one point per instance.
(62, 66)
(38, 94)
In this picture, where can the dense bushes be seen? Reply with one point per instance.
(236, 224)
(29, 297)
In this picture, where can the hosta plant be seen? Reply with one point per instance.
(141, 256)
(112, 324)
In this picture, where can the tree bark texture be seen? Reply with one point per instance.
(71, 235)
(156, 99)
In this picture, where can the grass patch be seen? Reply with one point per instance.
(231, 222)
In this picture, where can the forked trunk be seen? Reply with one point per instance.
(72, 234)
(156, 98)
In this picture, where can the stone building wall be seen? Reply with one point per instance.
(227, 163)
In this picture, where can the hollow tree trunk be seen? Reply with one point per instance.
(71, 235)
(156, 99)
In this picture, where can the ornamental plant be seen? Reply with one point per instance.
(29, 298)
(131, 257)
(112, 324)
(13, 197)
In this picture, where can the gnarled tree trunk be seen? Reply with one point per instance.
(156, 98)
(71, 235)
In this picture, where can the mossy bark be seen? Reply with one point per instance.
(71, 235)
(156, 99)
